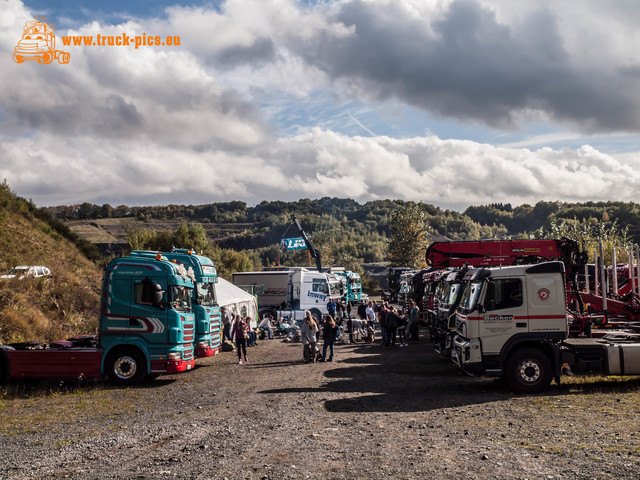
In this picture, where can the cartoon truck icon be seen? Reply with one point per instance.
(38, 42)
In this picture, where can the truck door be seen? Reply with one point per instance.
(117, 305)
(546, 303)
(505, 312)
(146, 315)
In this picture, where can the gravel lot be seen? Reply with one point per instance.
(374, 413)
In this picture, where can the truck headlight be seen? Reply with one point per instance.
(175, 356)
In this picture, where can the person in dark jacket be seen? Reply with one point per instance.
(362, 310)
(391, 320)
(239, 333)
(329, 332)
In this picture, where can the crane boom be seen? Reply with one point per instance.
(312, 250)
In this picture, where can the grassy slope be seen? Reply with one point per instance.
(39, 309)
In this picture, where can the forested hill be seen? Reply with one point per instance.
(358, 231)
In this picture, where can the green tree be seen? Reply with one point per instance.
(589, 233)
(409, 236)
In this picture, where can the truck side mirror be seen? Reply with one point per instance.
(156, 295)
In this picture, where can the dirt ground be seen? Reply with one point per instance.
(373, 413)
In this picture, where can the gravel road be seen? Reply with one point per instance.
(373, 413)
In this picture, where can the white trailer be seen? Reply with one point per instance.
(289, 293)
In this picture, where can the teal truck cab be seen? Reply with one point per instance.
(208, 337)
(350, 284)
(146, 329)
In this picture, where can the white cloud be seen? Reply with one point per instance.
(313, 164)
(190, 124)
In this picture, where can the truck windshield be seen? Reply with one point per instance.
(206, 294)
(180, 299)
(470, 296)
(334, 289)
(454, 291)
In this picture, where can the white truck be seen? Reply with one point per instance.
(512, 323)
(289, 293)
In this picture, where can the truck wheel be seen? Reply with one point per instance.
(46, 58)
(126, 367)
(528, 371)
(3, 373)
(18, 58)
(317, 316)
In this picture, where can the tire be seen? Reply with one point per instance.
(317, 316)
(126, 366)
(18, 58)
(47, 58)
(528, 371)
(64, 57)
(3, 371)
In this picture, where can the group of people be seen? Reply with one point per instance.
(310, 333)
(396, 327)
(340, 309)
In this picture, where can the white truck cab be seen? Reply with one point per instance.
(512, 323)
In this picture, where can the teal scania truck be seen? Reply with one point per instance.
(208, 336)
(146, 329)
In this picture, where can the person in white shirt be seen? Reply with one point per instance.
(265, 326)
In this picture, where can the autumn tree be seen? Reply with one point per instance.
(409, 236)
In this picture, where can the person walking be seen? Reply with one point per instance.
(329, 333)
(239, 332)
(308, 332)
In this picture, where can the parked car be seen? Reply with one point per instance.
(22, 271)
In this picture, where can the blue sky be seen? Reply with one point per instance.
(455, 102)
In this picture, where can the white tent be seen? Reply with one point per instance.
(236, 300)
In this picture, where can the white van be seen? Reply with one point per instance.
(27, 271)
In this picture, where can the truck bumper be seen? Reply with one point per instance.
(177, 366)
(466, 355)
(164, 367)
(204, 352)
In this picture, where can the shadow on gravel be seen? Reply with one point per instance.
(372, 378)
(273, 364)
(406, 379)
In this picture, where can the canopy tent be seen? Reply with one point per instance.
(236, 300)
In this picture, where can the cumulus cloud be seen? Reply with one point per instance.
(314, 163)
(191, 124)
(462, 61)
